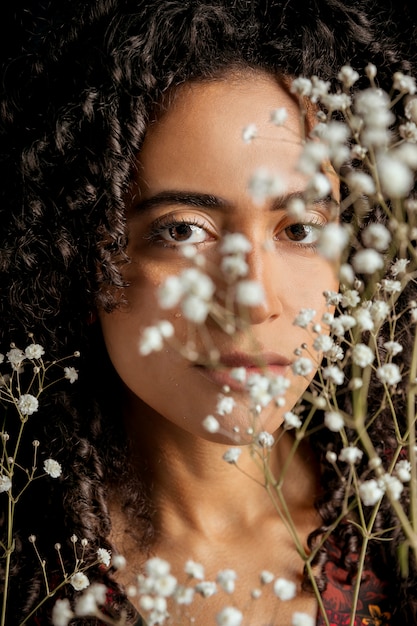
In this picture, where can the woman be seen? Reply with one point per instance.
(121, 141)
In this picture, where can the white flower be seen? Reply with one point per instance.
(302, 366)
(364, 319)
(265, 440)
(86, 605)
(27, 404)
(284, 589)
(239, 374)
(226, 579)
(249, 293)
(232, 454)
(206, 588)
(5, 483)
(301, 86)
(312, 158)
(165, 585)
(229, 617)
(408, 131)
(184, 595)
(373, 106)
(258, 387)
(334, 421)
(341, 324)
(336, 102)
(79, 581)
(104, 556)
(332, 241)
(71, 374)
(389, 373)
(350, 454)
(264, 184)
(157, 567)
(361, 183)
(210, 424)
(170, 292)
(304, 317)
(118, 561)
(358, 152)
(333, 298)
(362, 355)
(391, 286)
(411, 109)
(296, 208)
(195, 309)
(249, 133)
(379, 311)
(291, 420)
(195, 570)
(52, 468)
(396, 177)
(225, 405)
(370, 492)
(331, 457)
(376, 236)
(320, 88)
(404, 83)
(234, 266)
(15, 357)
(302, 619)
(318, 187)
(367, 261)
(235, 243)
(348, 76)
(61, 613)
(399, 266)
(151, 341)
(370, 71)
(393, 486)
(34, 351)
(166, 329)
(323, 343)
(393, 347)
(350, 298)
(266, 577)
(146, 602)
(279, 116)
(346, 274)
(403, 471)
(334, 374)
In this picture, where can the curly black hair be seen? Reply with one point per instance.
(79, 83)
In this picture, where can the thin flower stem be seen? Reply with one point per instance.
(411, 419)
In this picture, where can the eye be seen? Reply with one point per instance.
(184, 232)
(307, 234)
(173, 232)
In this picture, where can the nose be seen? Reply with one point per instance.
(263, 268)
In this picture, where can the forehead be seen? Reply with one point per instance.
(199, 134)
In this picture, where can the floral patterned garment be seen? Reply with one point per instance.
(373, 607)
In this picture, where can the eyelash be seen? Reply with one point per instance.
(166, 222)
(315, 221)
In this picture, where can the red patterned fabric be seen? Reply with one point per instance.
(338, 598)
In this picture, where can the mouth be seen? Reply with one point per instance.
(265, 363)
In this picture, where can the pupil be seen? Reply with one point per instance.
(298, 231)
(181, 232)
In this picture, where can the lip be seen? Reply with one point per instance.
(262, 363)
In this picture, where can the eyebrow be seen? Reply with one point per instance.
(210, 201)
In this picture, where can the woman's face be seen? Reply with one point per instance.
(194, 170)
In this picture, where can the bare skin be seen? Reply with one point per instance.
(206, 509)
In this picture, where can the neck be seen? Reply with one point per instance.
(194, 489)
